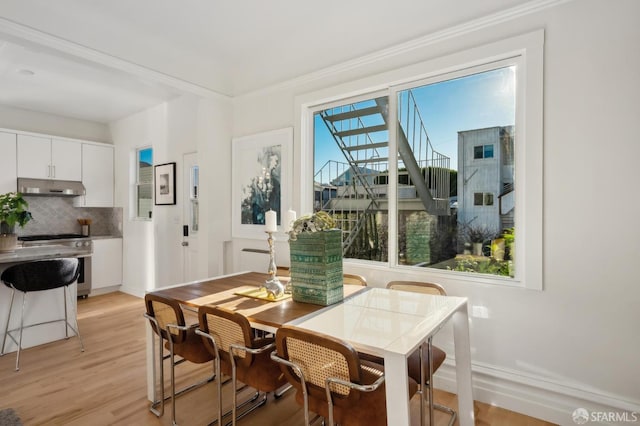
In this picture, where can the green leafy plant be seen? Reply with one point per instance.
(509, 236)
(489, 266)
(478, 233)
(13, 210)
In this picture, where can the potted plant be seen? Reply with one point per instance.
(315, 247)
(13, 210)
(477, 235)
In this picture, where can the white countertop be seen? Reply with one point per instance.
(26, 254)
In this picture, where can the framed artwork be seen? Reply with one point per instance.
(164, 179)
(261, 180)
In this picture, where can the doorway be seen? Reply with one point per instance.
(190, 216)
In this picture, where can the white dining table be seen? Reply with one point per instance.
(393, 324)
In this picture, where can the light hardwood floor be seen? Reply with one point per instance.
(106, 385)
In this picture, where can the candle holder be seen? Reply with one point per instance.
(273, 285)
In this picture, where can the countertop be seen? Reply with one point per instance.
(25, 254)
(104, 237)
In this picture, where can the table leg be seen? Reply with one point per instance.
(463, 365)
(397, 389)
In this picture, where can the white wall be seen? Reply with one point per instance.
(544, 353)
(146, 128)
(152, 249)
(39, 122)
(214, 153)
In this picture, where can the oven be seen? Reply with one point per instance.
(85, 249)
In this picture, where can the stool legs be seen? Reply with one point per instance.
(76, 330)
(67, 325)
(6, 329)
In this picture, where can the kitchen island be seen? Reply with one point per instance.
(41, 306)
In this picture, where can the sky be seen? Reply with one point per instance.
(146, 155)
(473, 102)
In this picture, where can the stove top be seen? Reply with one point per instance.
(50, 237)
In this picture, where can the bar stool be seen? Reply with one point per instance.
(40, 275)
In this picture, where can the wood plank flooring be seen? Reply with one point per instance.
(106, 384)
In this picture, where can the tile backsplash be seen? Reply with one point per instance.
(57, 215)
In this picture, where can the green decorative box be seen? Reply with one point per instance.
(316, 267)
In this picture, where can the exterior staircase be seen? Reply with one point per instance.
(354, 191)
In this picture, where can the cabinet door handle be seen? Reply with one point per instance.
(49, 170)
(54, 171)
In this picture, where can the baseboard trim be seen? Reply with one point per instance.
(132, 291)
(544, 399)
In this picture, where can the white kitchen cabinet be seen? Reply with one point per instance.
(97, 176)
(66, 158)
(106, 263)
(8, 170)
(43, 157)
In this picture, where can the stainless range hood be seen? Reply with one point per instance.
(60, 188)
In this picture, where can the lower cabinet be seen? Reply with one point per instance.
(106, 263)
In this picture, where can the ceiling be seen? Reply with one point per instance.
(48, 49)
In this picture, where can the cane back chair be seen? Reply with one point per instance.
(168, 323)
(330, 378)
(238, 353)
(354, 279)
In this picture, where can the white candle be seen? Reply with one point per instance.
(271, 221)
(291, 217)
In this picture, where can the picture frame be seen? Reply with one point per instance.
(164, 183)
(261, 180)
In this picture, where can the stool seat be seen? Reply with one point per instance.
(35, 276)
(41, 275)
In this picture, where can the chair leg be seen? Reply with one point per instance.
(67, 325)
(160, 362)
(161, 401)
(282, 390)
(221, 415)
(173, 383)
(66, 317)
(6, 329)
(24, 304)
(430, 355)
(421, 384)
(432, 405)
(447, 410)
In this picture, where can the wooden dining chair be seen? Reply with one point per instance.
(168, 323)
(238, 353)
(331, 379)
(354, 279)
(418, 363)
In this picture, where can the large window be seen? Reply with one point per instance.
(443, 126)
(144, 183)
(437, 173)
(351, 156)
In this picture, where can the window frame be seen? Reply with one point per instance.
(484, 151)
(138, 184)
(527, 51)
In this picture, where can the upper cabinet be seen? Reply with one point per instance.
(8, 173)
(97, 176)
(49, 158)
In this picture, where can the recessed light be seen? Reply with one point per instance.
(25, 71)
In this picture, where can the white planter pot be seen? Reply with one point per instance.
(8, 243)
